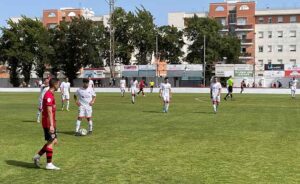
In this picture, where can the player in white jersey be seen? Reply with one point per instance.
(294, 83)
(215, 93)
(44, 89)
(91, 83)
(85, 98)
(133, 87)
(123, 86)
(65, 94)
(165, 93)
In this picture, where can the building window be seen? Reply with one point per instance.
(280, 34)
(269, 20)
(244, 7)
(261, 62)
(269, 48)
(279, 61)
(260, 34)
(280, 19)
(279, 48)
(51, 26)
(221, 21)
(51, 15)
(244, 50)
(260, 20)
(293, 48)
(220, 8)
(293, 61)
(241, 21)
(72, 14)
(269, 34)
(293, 34)
(260, 48)
(293, 19)
(269, 61)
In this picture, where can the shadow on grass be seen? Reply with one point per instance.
(154, 112)
(28, 121)
(66, 132)
(204, 112)
(22, 164)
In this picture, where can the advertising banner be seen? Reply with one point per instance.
(224, 70)
(292, 70)
(93, 73)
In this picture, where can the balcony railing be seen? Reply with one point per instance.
(246, 54)
(244, 27)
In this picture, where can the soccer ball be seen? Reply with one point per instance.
(83, 132)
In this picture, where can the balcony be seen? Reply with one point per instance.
(225, 29)
(247, 41)
(246, 56)
(244, 28)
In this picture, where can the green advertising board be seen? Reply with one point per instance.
(243, 73)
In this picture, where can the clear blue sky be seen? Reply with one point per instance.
(159, 8)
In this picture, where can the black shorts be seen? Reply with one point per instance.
(48, 136)
(230, 89)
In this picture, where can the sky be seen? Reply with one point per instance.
(159, 8)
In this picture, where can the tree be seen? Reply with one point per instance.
(77, 44)
(218, 46)
(123, 24)
(170, 43)
(23, 45)
(143, 36)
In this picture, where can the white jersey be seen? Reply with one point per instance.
(215, 88)
(165, 89)
(133, 84)
(91, 84)
(123, 83)
(294, 84)
(65, 87)
(85, 96)
(44, 89)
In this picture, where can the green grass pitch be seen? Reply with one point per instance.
(253, 139)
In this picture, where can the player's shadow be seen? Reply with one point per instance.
(154, 112)
(28, 121)
(202, 112)
(28, 165)
(66, 132)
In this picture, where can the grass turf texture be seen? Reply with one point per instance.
(253, 139)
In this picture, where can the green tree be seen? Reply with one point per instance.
(77, 44)
(170, 43)
(123, 24)
(143, 36)
(24, 45)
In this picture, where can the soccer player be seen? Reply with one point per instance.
(151, 86)
(166, 94)
(123, 86)
(215, 93)
(65, 94)
(294, 87)
(243, 85)
(229, 88)
(133, 87)
(91, 83)
(141, 86)
(85, 98)
(49, 126)
(44, 89)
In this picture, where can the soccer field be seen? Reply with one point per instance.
(253, 139)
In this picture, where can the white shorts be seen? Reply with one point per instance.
(293, 89)
(216, 99)
(166, 98)
(65, 96)
(122, 89)
(133, 91)
(40, 106)
(85, 111)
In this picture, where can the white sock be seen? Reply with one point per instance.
(167, 107)
(68, 104)
(90, 125)
(132, 98)
(77, 125)
(38, 115)
(215, 107)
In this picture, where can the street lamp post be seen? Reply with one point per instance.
(204, 60)
(111, 37)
